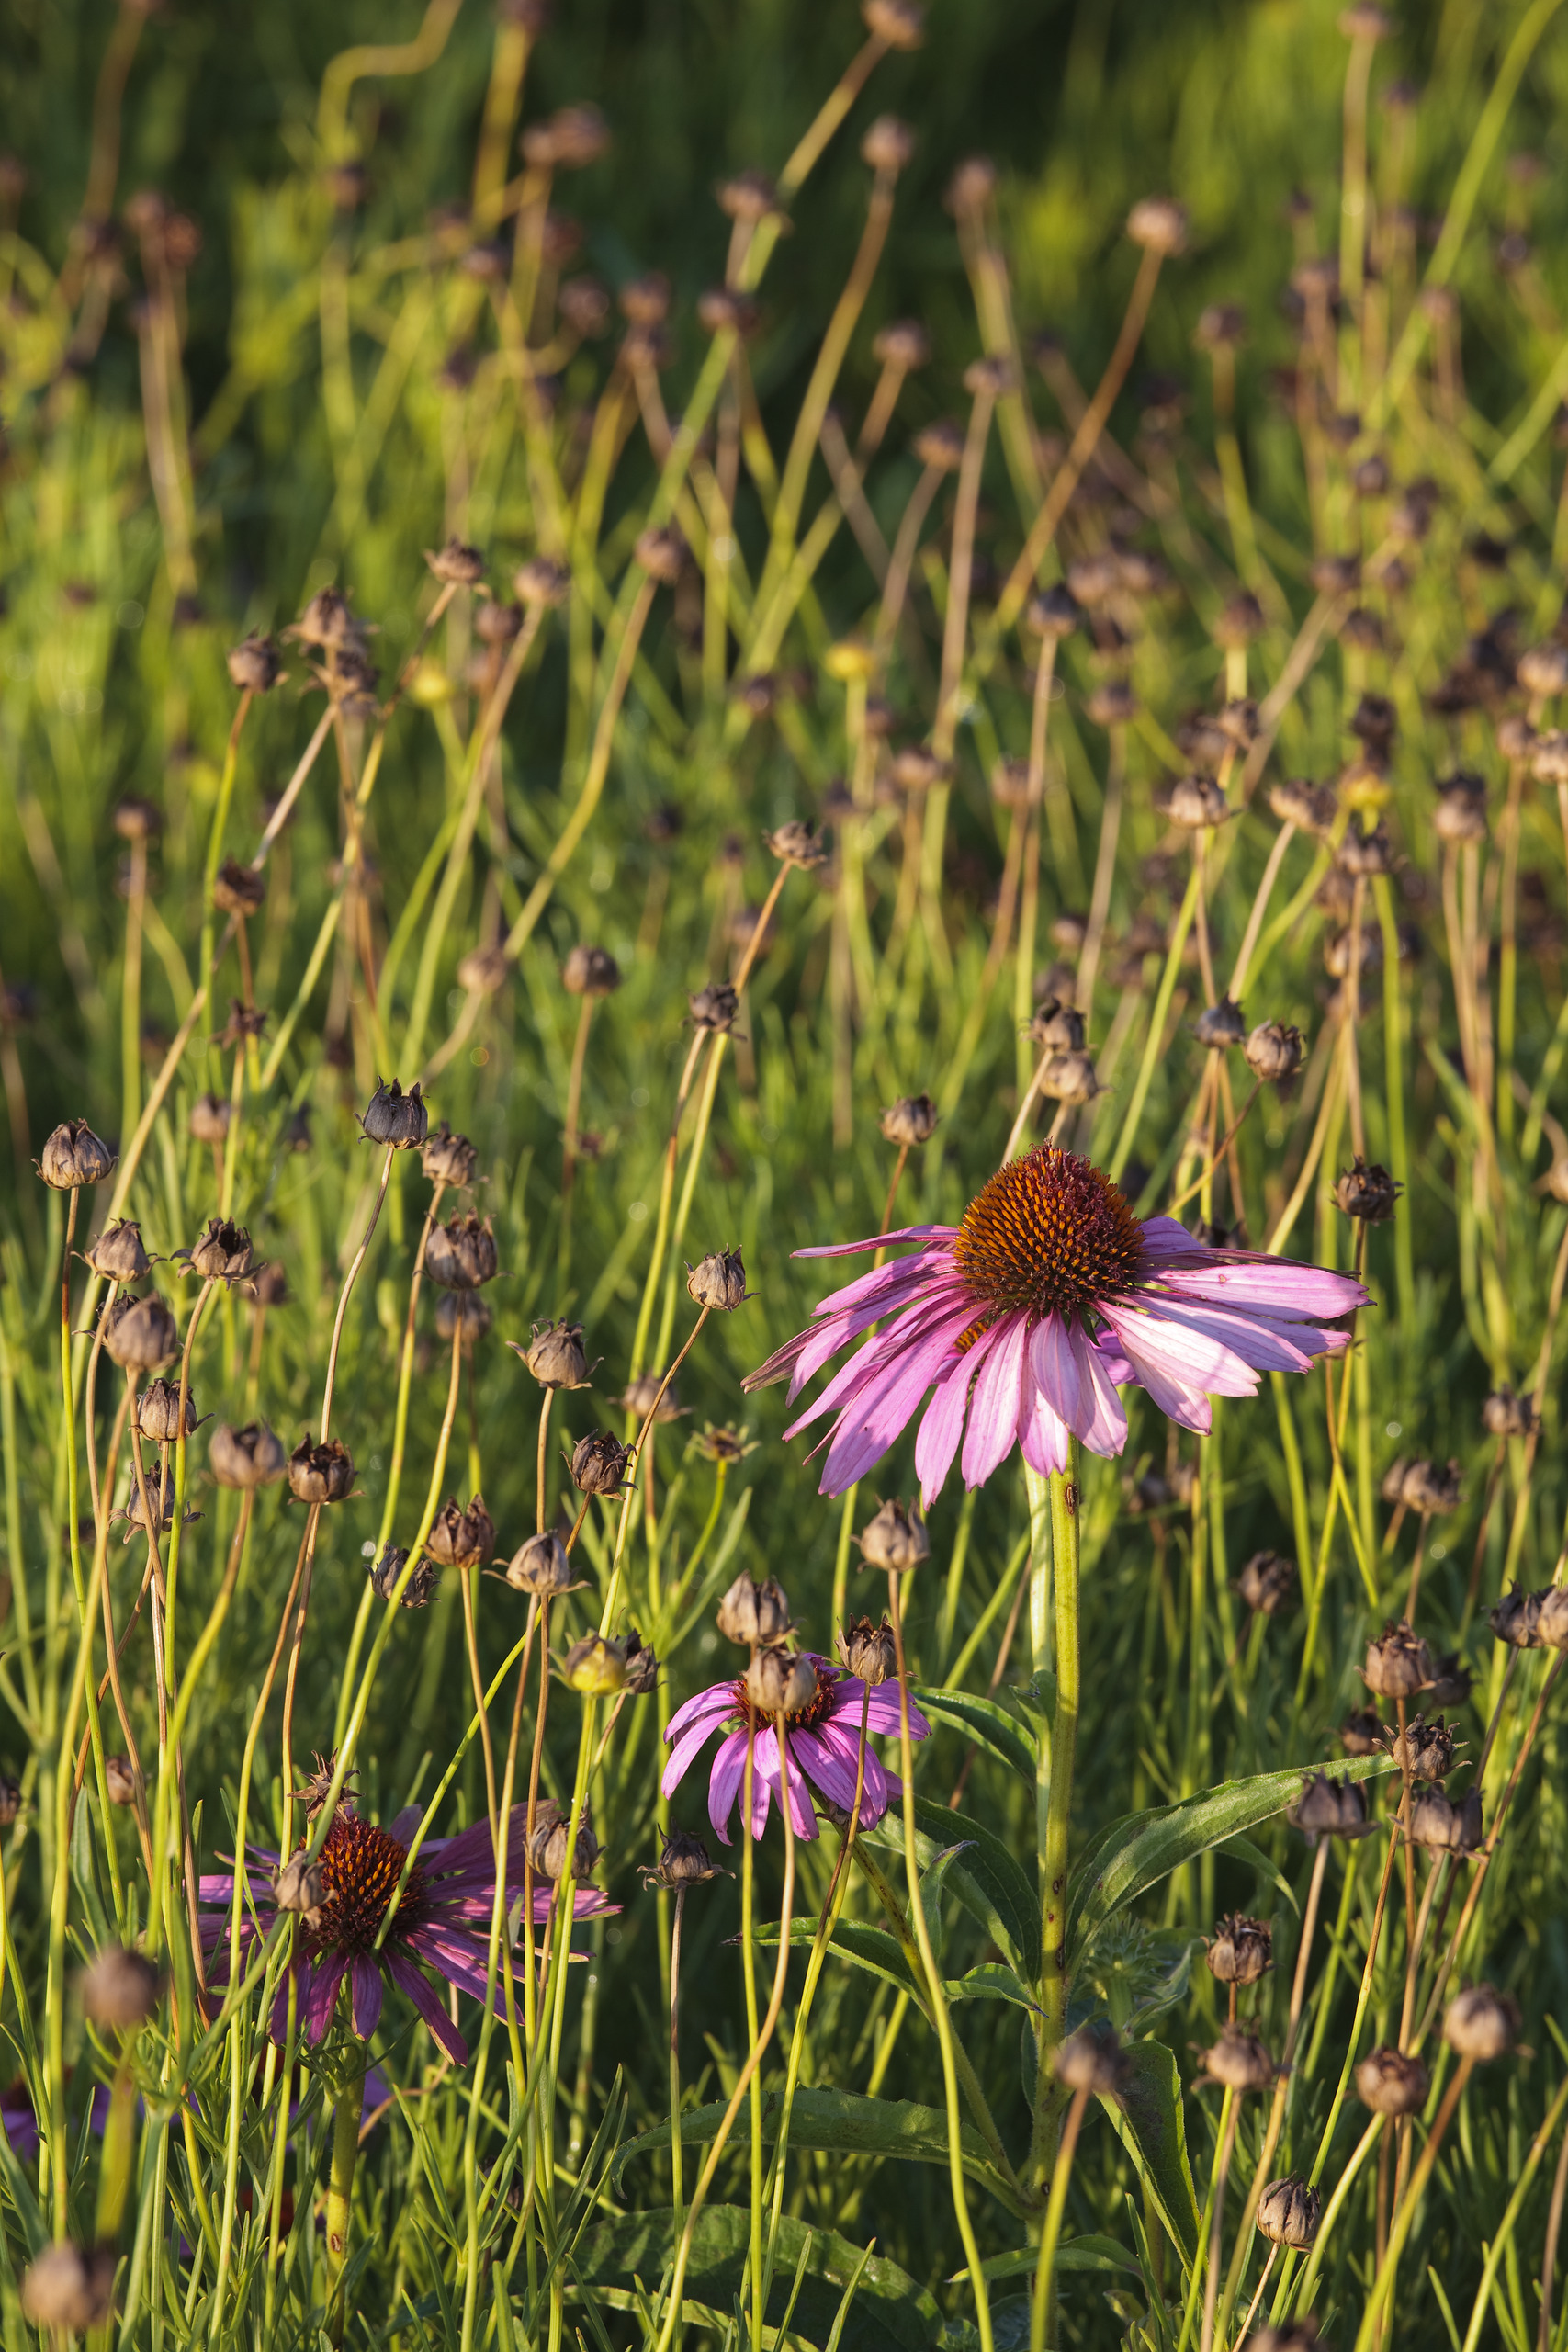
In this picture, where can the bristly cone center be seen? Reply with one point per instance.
(1049, 1234)
(360, 1866)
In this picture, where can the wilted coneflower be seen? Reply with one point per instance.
(822, 1736)
(442, 1919)
(1028, 1315)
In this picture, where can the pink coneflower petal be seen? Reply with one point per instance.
(1278, 1284)
(767, 1775)
(709, 1706)
(366, 1993)
(417, 1985)
(688, 1747)
(723, 1782)
(883, 1355)
(878, 1241)
(318, 1995)
(996, 1401)
(941, 1425)
(1070, 1375)
(1044, 1437)
(879, 1413)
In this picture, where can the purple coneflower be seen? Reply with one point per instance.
(822, 1740)
(1028, 1315)
(443, 1918)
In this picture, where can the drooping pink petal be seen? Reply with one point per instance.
(365, 1991)
(1105, 1429)
(941, 1425)
(318, 1994)
(1259, 1341)
(685, 1754)
(1043, 1435)
(994, 1400)
(882, 1716)
(825, 1771)
(878, 1241)
(710, 1705)
(412, 1981)
(1282, 1285)
(1194, 1358)
(723, 1782)
(403, 1826)
(768, 1773)
(875, 1418)
(882, 1355)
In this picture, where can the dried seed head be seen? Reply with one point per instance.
(254, 664)
(209, 1118)
(640, 1397)
(1222, 326)
(567, 141)
(555, 1355)
(1068, 1078)
(10, 1800)
(724, 1447)
(1543, 669)
(541, 585)
(1328, 1808)
(223, 1253)
(779, 1681)
(797, 844)
(74, 1155)
(1157, 224)
(1240, 1949)
(683, 1862)
(69, 2288)
(895, 1540)
(752, 1614)
(1482, 2024)
(1398, 1664)
(599, 1464)
(1239, 2061)
(1273, 1051)
(714, 1007)
(721, 311)
(867, 1650)
(461, 1254)
(1239, 624)
(1446, 1827)
(1115, 705)
(459, 1537)
(1219, 1026)
(484, 970)
(717, 1281)
(749, 197)
(1431, 1487)
(121, 1780)
(909, 1122)
(140, 1334)
(157, 1412)
(1505, 1415)
(903, 343)
(590, 971)
(1054, 613)
(1289, 2212)
(1296, 801)
(888, 145)
(1515, 1618)
(1195, 803)
(1365, 852)
(1451, 1682)
(117, 1253)
(1391, 2082)
(396, 1118)
(595, 1665)
(455, 565)
(939, 445)
(917, 768)
(119, 1989)
(137, 820)
(247, 1457)
(1057, 1027)
(900, 23)
(386, 1572)
(1552, 1624)
(642, 1664)
(1458, 813)
(548, 1842)
(320, 1474)
(1092, 2060)
(1336, 575)
(661, 554)
(1268, 1583)
(1364, 22)
(447, 1158)
(971, 189)
(540, 1567)
(297, 1886)
(1367, 1192)
(1424, 1750)
(1362, 1733)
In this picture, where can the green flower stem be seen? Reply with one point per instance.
(1382, 2285)
(936, 1990)
(339, 2193)
(1042, 2310)
(1166, 990)
(1063, 1571)
(1502, 2242)
(1394, 1097)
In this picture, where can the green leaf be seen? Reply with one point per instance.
(881, 1955)
(1147, 2114)
(841, 2123)
(1138, 1851)
(890, 2312)
(990, 1725)
(932, 1879)
(988, 1880)
(1087, 2253)
(991, 1982)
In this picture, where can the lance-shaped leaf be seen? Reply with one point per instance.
(990, 1725)
(1147, 2115)
(987, 1879)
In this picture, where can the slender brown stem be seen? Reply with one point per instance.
(573, 1099)
(349, 1280)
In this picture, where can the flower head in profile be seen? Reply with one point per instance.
(821, 1739)
(1024, 1320)
(441, 1921)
